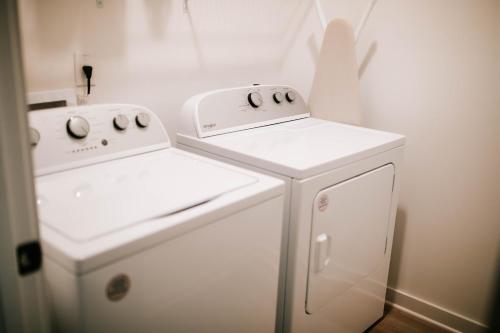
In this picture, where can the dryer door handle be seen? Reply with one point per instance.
(323, 248)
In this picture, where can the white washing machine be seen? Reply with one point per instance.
(141, 237)
(342, 191)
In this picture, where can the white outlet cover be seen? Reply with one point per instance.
(79, 60)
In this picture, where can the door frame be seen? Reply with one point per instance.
(23, 306)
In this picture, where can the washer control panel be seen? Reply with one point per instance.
(64, 138)
(234, 109)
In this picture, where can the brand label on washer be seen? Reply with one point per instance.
(118, 287)
(323, 202)
(209, 126)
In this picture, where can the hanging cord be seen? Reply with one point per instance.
(361, 24)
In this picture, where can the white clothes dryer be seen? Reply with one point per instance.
(342, 192)
(139, 236)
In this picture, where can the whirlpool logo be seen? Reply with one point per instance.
(323, 202)
(209, 126)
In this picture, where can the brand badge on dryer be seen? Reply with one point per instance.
(118, 287)
(323, 202)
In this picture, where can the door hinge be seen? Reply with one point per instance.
(385, 248)
(29, 257)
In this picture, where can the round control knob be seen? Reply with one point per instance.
(290, 96)
(77, 127)
(278, 97)
(34, 137)
(255, 99)
(142, 120)
(120, 122)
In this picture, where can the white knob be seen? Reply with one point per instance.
(255, 99)
(290, 96)
(142, 119)
(278, 97)
(34, 136)
(121, 122)
(77, 127)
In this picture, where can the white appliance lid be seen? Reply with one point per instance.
(300, 148)
(85, 203)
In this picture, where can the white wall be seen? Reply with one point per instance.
(152, 53)
(433, 74)
(435, 78)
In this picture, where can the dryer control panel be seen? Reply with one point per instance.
(230, 110)
(69, 137)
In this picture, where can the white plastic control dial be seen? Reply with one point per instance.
(77, 127)
(121, 122)
(255, 99)
(290, 96)
(142, 120)
(34, 136)
(278, 97)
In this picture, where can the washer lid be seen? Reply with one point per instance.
(85, 203)
(300, 148)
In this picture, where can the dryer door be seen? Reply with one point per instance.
(348, 238)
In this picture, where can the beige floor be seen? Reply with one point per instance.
(396, 321)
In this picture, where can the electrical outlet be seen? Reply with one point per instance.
(80, 60)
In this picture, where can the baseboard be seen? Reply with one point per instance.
(433, 313)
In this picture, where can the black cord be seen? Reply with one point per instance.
(87, 70)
